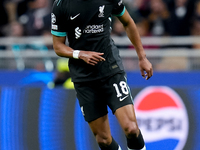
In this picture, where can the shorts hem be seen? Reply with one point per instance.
(95, 118)
(121, 106)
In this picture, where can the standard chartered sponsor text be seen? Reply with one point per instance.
(94, 29)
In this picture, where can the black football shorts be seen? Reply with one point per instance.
(95, 96)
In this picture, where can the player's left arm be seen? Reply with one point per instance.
(133, 35)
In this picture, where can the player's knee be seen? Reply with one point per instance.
(103, 140)
(131, 129)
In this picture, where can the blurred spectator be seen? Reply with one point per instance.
(4, 17)
(11, 6)
(15, 29)
(22, 7)
(35, 16)
(180, 17)
(197, 9)
(3, 21)
(138, 9)
(37, 20)
(195, 28)
(143, 27)
(118, 29)
(158, 18)
(15, 8)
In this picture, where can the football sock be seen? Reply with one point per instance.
(136, 143)
(144, 148)
(112, 146)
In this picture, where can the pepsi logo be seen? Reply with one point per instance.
(162, 118)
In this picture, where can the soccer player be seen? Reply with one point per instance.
(96, 67)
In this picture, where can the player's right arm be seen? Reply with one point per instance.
(63, 50)
(59, 32)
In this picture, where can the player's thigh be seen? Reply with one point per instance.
(126, 117)
(100, 127)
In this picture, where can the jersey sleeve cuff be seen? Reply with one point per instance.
(56, 33)
(121, 14)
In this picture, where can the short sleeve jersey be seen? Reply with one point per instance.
(87, 24)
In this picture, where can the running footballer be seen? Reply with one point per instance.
(96, 67)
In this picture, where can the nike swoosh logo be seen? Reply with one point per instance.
(121, 99)
(72, 18)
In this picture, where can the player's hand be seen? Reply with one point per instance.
(145, 68)
(91, 58)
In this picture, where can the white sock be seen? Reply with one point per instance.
(144, 148)
(119, 148)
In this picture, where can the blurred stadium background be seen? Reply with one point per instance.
(38, 105)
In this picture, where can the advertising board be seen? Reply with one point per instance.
(34, 117)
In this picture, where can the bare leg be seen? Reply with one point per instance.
(101, 130)
(127, 120)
